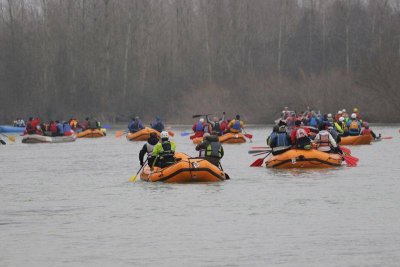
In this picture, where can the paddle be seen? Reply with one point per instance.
(186, 133)
(120, 133)
(387, 137)
(349, 161)
(250, 136)
(10, 137)
(133, 178)
(2, 142)
(256, 151)
(260, 147)
(261, 153)
(345, 150)
(199, 115)
(171, 133)
(227, 177)
(106, 126)
(259, 162)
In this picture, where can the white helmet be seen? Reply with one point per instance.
(164, 134)
(353, 115)
(329, 115)
(344, 110)
(341, 119)
(201, 120)
(339, 112)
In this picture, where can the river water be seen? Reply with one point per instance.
(70, 204)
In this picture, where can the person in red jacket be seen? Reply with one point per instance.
(198, 129)
(299, 136)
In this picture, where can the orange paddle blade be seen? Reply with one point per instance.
(171, 133)
(119, 133)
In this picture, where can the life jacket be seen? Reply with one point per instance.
(236, 125)
(301, 133)
(323, 139)
(60, 128)
(313, 122)
(53, 128)
(217, 127)
(366, 132)
(30, 129)
(67, 129)
(282, 140)
(354, 127)
(92, 124)
(149, 148)
(73, 123)
(339, 128)
(199, 127)
(166, 155)
(214, 150)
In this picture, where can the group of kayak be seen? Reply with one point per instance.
(312, 140)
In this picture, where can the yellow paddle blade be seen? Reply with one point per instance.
(11, 138)
(132, 179)
(119, 133)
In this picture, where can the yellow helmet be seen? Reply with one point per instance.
(355, 110)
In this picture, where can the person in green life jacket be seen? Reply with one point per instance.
(164, 151)
(216, 123)
(211, 149)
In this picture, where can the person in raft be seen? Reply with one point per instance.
(164, 152)
(279, 140)
(325, 141)
(135, 125)
(157, 124)
(198, 129)
(367, 131)
(300, 136)
(354, 125)
(236, 125)
(211, 149)
(148, 148)
(216, 124)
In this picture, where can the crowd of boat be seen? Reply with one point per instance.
(307, 139)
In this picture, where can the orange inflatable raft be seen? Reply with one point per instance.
(356, 140)
(298, 158)
(142, 135)
(228, 138)
(185, 170)
(90, 133)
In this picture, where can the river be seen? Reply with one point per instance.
(71, 204)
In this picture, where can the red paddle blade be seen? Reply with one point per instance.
(349, 161)
(345, 149)
(353, 158)
(387, 137)
(257, 163)
(250, 136)
(260, 147)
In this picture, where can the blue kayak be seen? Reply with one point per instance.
(11, 129)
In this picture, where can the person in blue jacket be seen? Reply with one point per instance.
(157, 124)
(60, 128)
(135, 125)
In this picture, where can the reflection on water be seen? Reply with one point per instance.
(71, 204)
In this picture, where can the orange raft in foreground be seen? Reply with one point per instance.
(91, 133)
(356, 140)
(228, 138)
(185, 170)
(298, 158)
(142, 135)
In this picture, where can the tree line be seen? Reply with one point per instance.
(113, 59)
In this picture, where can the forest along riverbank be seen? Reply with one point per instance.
(71, 203)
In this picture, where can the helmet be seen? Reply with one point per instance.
(206, 134)
(355, 110)
(329, 115)
(341, 119)
(343, 110)
(339, 112)
(164, 134)
(201, 120)
(353, 115)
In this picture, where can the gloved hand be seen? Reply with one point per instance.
(141, 163)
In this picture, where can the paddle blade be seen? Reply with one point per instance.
(171, 133)
(349, 161)
(119, 134)
(185, 133)
(132, 179)
(256, 151)
(250, 136)
(11, 138)
(257, 162)
(106, 126)
(345, 150)
(260, 147)
(2, 142)
(387, 137)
